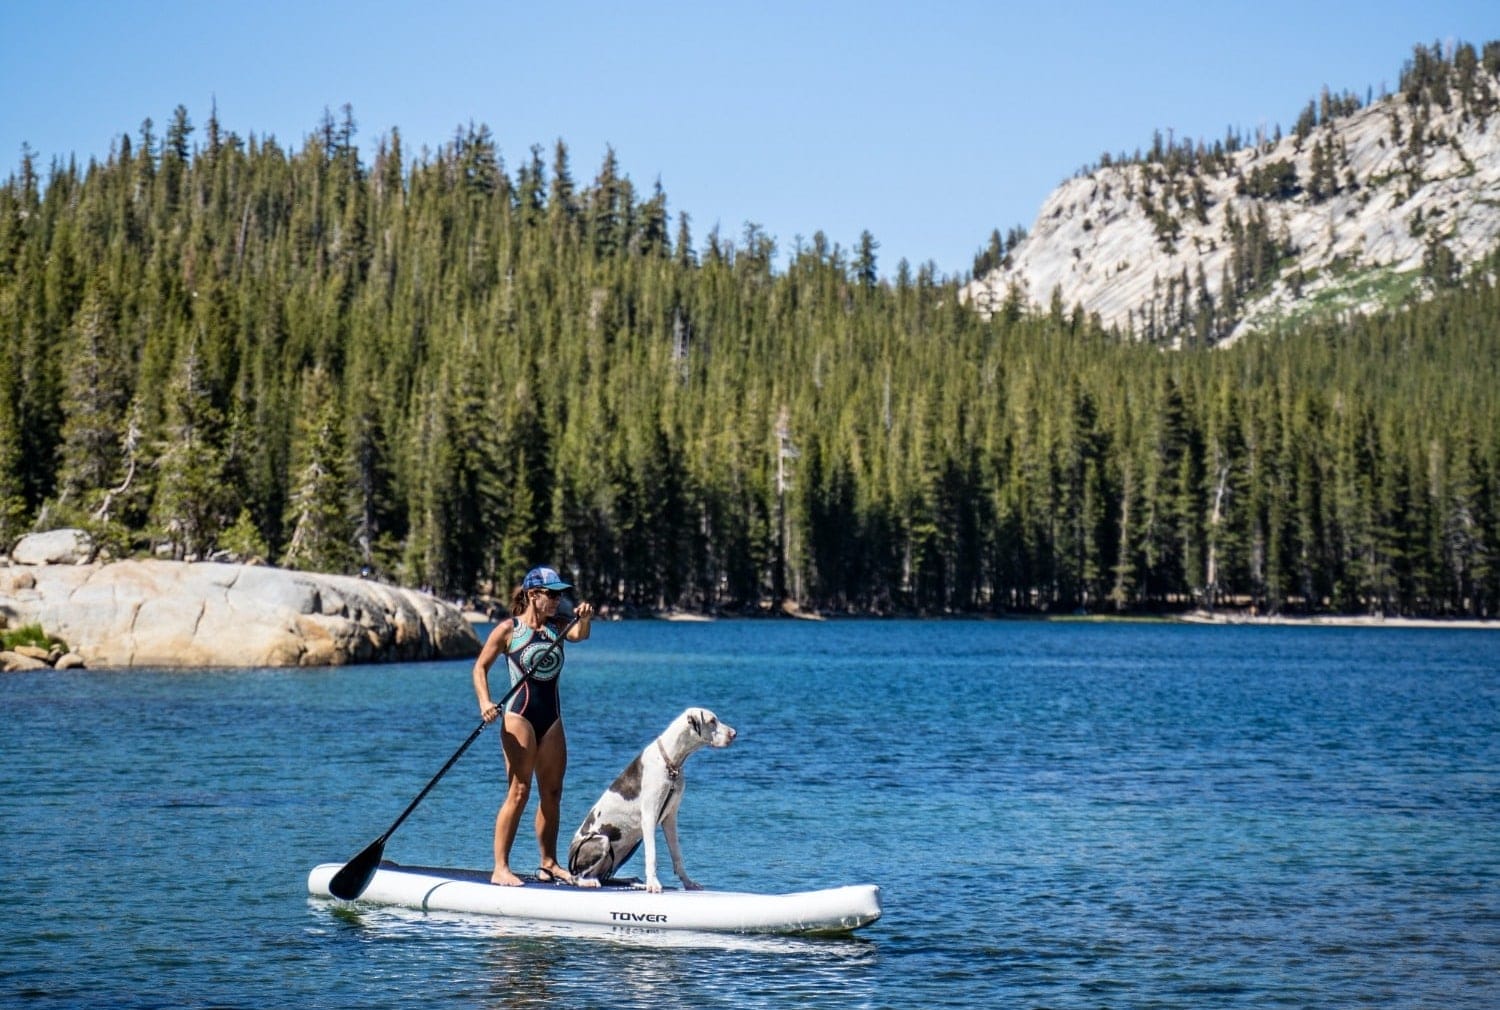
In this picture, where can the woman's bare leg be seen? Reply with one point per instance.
(520, 746)
(551, 767)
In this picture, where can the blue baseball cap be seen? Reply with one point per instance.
(543, 577)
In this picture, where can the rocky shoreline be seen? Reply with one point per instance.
(160, 613)
(34, 657)
(1338, 620)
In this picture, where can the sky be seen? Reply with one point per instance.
(928, 124)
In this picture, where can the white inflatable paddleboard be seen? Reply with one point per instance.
(618, 903)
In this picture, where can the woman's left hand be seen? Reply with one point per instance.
(584, 611)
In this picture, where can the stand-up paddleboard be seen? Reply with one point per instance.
(617, 903)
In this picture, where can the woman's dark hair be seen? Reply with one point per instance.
(518, 602)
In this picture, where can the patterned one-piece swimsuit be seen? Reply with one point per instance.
(537, 700)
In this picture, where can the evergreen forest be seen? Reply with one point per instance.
(440, 370)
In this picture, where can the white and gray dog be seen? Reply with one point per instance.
(647, 793)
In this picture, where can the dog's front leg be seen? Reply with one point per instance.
(648, 840)
(669, 829)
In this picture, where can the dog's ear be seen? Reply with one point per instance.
(695, 724)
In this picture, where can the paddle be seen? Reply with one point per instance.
(352, 879)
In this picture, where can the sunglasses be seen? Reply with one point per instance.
(551, 594)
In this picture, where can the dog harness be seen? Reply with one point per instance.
(537, 700)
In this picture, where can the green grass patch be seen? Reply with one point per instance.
(28, 634)
(1382, 285)
(1364, 291)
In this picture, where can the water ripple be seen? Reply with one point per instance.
(1074, 816)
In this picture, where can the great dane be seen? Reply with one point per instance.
(647, 793)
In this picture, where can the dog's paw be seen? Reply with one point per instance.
(691, 885)
(653, 886)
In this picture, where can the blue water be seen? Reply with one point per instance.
(1059, 815)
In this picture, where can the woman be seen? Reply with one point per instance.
(532, 733)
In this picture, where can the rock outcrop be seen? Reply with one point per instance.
(1355, 213)
(181, 614)
(54, 547)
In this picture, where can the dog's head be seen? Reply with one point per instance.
(707, 729)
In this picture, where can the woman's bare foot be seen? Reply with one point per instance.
(505, 878)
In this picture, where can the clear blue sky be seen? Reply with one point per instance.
(928, 123)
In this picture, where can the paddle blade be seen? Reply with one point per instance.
(350, 882)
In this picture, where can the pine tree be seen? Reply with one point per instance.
(94, 405)
(192, 502)
(318, 509)
(12, 492)
(864, 261)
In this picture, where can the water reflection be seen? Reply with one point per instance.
(581, 966)
(523, 963)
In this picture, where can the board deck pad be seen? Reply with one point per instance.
(530, 880)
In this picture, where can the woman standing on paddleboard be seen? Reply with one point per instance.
(532, 733)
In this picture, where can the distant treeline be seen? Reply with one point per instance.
(447, 371)
(1461, 76)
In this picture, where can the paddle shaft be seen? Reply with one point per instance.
(355, 875)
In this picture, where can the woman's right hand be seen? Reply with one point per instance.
(489, 713)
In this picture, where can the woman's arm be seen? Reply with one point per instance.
(494, 645)
(585, 614)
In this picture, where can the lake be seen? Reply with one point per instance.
(1059, 815)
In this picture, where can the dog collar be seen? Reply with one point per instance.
(673, 770)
